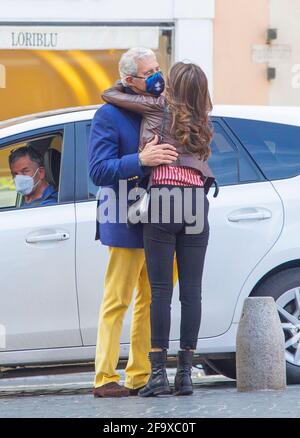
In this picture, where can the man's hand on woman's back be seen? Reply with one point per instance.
(155, 154)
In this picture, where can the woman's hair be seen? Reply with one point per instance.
(190, 103)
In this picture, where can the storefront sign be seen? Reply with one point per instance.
(77, 37)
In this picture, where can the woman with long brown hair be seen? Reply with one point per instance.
(180, 118)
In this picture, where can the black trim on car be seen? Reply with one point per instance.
(81, 153)
(242, 153)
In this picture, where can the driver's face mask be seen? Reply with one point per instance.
(25, 183)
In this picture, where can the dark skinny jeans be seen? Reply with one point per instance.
(161, 240)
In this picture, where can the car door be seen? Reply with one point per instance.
(246, 219)
(92, 256)
(37, 258)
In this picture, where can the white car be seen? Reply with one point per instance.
(52, 269)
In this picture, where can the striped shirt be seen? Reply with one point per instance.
(176, 175)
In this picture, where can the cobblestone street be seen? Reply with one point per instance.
(70, 396)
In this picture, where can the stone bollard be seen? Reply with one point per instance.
(260, 355)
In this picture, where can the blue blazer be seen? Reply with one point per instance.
(113, 155)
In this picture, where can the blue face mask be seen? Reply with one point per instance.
(155, 84)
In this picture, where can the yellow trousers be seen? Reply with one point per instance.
(126, 271)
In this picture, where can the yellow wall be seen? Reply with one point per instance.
(42, 80)
(238, 25)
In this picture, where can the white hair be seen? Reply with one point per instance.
(129, 60)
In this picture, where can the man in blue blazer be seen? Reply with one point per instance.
(113, 156)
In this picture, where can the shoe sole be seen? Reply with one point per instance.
(184, 391)
(111, 395)
(157, 392)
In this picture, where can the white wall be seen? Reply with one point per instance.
(285, 16)
(194, 42)
(97, 10)
(86, 10)
(193, 19)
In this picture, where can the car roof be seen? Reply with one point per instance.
(277, 114)
(46, 118)
(289, 115)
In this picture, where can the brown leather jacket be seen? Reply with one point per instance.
(157, 120)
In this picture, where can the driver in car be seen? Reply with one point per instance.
(27, 168)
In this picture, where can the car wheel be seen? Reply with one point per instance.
(284, 287)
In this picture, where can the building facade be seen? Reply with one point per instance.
(61, 53)
(257, 52)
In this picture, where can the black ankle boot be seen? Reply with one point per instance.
(158, 383)
(183, 380)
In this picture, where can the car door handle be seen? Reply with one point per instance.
(250, 214)
(48, 237)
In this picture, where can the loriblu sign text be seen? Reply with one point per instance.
(34, 39)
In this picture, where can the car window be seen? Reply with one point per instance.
(228, 165)
(275, 147)
(224, 158)
(50, 147)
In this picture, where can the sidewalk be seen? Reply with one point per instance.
(75, 383)
(70, 396)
